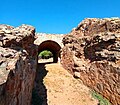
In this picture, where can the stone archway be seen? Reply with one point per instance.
(52, 46)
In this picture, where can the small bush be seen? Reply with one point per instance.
(100, 98)
(46, 54)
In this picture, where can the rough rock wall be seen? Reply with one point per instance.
(18, 61)
(91, 52)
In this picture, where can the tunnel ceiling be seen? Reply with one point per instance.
(52, 46)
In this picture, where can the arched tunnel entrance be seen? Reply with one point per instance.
(51, 46)
(39, 93)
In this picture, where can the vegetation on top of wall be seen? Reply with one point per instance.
(45, 54)
(100, 98)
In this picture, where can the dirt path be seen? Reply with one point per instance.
(56, 86)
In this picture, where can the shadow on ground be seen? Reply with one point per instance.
(39, 93)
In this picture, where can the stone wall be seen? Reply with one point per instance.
(91, 52)
(18, 62)
(42, 37)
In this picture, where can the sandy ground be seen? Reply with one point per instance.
(45, 60)
(58, 87)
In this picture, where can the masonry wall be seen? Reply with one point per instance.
(41, 37)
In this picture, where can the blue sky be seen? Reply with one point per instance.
(55, 16)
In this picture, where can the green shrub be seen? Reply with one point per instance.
(45, 54)
(100, 98)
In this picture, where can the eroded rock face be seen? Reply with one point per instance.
(91, 52)
(18, 62)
